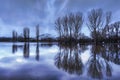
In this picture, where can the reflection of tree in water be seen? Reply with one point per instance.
(108, 69)
(102, 56)
(115, 53)
(112, 53)
(37, 51)
(14, 48)
(94, 64)
(98, 65)
(46, 45)
(83, 48)
(69, 59)
(26, 50)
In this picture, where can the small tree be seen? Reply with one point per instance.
(106, 30)
(116, 30)
(14, 35)
(37, 33)
(26, 32)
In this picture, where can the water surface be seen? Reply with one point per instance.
(47, 61)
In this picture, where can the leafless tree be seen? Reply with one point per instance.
(95, 17)
(14, 34)
(116, 30)
(69, 26)
(78, 24)
(26, 32)
(98, 25)
(106, 29)
(58, 27)
(37, 33)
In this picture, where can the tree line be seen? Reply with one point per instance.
(99, 24)
(25, 37)
(68, 27)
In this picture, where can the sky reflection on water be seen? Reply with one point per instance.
(55, 62)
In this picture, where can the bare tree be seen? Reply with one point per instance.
(14, 34)
(78, 25)
(116, 28)
(58, 27)
(69, 26)
(37, 33)
(108, 17)
(106, 30)
(26, 32)
(95, 22)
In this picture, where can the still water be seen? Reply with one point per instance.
(46, 61)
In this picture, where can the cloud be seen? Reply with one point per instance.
(44, 12)
(22, 11)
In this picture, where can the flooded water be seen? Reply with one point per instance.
(43, 61)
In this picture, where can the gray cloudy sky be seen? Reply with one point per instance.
(16, 14)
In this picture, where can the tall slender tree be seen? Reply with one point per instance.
(26, 32)
(95, 17)
(37, 33)
(14, 35)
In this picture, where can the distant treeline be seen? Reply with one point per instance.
(25, 37)
(68, 27)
